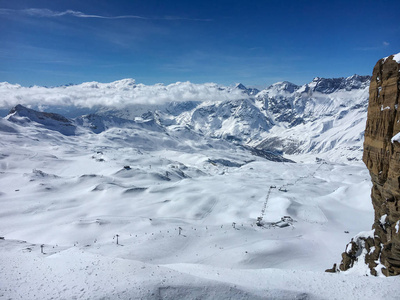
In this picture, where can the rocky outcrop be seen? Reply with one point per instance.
(380, 248)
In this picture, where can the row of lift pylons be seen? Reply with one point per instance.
(259, 219)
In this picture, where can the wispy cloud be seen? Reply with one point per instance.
(48, 13)
(382, 46)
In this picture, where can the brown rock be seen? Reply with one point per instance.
(349, 256)
(332, 270)
(382, 158)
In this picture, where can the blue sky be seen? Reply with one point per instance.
(253, 42)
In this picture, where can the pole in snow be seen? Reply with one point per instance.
(117, 235)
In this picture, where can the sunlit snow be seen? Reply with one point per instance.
(154, 208)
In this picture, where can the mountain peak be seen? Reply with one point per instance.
(248, 91)
(52, 121)
(285, 86)
(17, 108)
(32, 114)
(240, 86)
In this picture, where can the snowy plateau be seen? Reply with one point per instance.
(186, 191)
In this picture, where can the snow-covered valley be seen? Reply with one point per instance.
(141, 203)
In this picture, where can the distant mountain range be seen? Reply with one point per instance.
(325, 117)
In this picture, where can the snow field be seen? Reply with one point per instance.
(74, 194)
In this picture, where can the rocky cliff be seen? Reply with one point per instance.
(380, 247)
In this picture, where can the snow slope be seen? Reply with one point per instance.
(183, 206)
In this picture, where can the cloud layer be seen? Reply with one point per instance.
(116, 94)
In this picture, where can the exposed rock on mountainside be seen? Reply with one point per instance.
(330, 85)
(381, 246)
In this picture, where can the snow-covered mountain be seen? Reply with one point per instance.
(23, 115)
(325, 117)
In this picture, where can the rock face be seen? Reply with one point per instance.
(380, 248)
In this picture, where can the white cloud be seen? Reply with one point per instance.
(118, 94)
(47, 13)
(383, 45)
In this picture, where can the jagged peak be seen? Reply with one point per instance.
(248, 91)
(240, 86)
(330, 85)
(354, 76)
